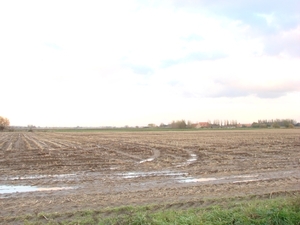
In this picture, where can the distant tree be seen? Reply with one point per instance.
(162, 125)
(189, 124)
(4, 122)
(227, 123)
(263, 125)
(275, 125)
(288, 123)
(217, 123)
(179, 124)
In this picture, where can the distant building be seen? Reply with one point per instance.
(200, 125)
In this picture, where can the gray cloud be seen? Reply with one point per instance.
(276, 44)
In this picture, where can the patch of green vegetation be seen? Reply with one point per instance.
(264, 212)
(281, 210)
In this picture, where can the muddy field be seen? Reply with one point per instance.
(65, 172)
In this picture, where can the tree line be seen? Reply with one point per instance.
(277, 123)
(182, 124)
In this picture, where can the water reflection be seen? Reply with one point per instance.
(8, 189)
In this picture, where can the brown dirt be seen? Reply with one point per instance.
(108, 169)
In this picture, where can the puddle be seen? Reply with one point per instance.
(245, 176)
(243, 181)
(156, 154)
(191, 180)
(233, 179)
(193, 158)
(146, 160)
(54, 189)
(60, 176)
(114, 168)
(8, 189)
(153, 173)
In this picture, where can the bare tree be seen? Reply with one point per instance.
(4, 122)
(179, 124)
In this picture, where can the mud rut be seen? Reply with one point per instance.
(106, 169)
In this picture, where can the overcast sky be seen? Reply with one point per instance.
(101, 63)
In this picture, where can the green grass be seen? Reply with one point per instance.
(278, 211)
(263, 212)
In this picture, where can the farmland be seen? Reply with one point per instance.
(71, 171)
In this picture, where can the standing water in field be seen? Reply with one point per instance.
(8, 189)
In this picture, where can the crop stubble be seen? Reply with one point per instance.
(107, 169)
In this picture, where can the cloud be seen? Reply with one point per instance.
(287, 43)
(231, 77)
(264, 17)
(264, 89)
(272, 24)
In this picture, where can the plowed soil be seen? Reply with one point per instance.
(93, 170)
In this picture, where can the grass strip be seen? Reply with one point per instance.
(277, 211)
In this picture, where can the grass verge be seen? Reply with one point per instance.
(281, 210)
